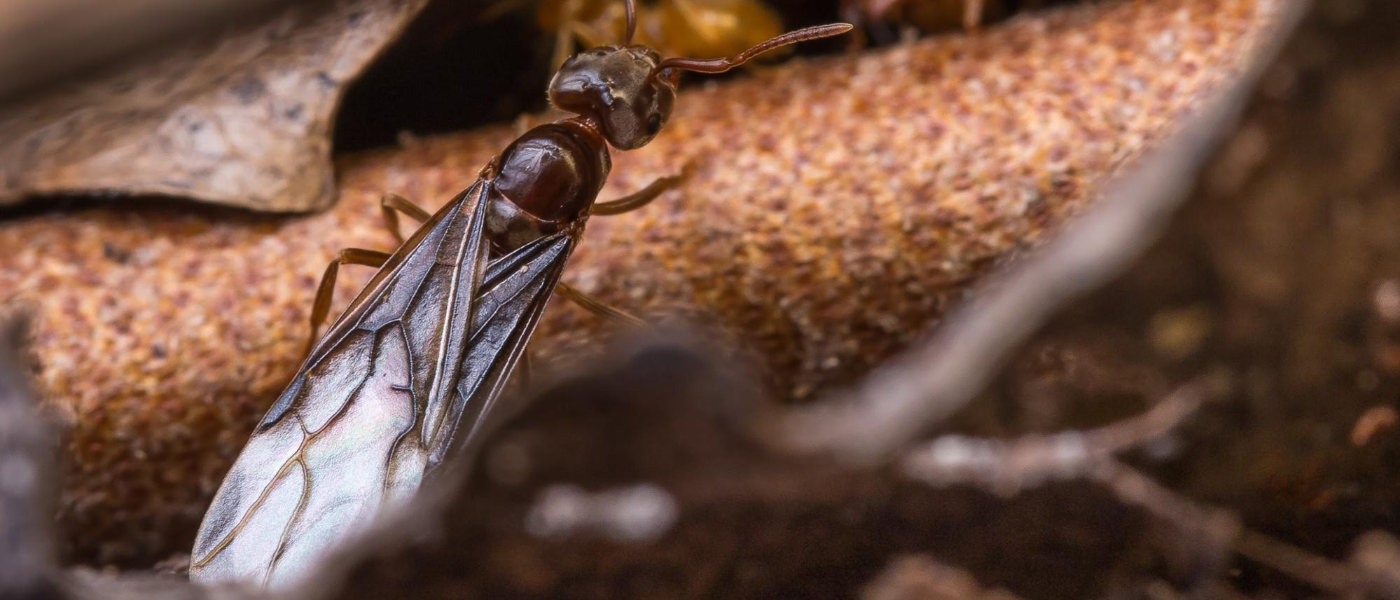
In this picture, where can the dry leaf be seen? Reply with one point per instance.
(243, 119)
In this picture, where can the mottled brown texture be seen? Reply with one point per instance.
(242, 117)
(837, 207)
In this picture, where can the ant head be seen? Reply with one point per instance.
(629, 90)
(621, 89)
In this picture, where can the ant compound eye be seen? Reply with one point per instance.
(653, 124)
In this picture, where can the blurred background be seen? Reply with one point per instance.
(1110, 290)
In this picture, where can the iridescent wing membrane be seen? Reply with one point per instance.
(425, 347)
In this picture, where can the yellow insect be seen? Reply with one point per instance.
(672, 27)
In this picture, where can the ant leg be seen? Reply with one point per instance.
(642, 197)
(564, 37)
(322, 306)
(523, 124)
(596, 306)
(972, 14)
(394, 202)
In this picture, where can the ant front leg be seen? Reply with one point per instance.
(393, 204)
(643, 196)
(322, 306)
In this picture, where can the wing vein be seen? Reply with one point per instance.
(390, 469)
(301, 502)
(342, 330)
(262, 497)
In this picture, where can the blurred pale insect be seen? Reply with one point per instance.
(673, 27)
(404, 378)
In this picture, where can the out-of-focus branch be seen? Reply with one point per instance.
(1008, 467)
(1317, 571)
(26, 457)
(927, 384)
(1014, 466)
(27, 488)
(1372, 570)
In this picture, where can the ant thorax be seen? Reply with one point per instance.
(547, 180)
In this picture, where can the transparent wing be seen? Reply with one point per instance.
(343, 439)
(514, 295)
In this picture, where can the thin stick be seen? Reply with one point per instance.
(1011, 466)
(1319, 572)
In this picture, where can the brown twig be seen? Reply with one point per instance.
(1319, 572)
(1203, 534)
(1372, 571)
(1011, 467)
(26, 460)
(1008, 467)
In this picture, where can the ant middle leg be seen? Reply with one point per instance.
(392, 205)
(322, 305)
(972, 14)
(643, 196)
(566, 36)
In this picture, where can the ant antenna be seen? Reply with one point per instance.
(720, 65)
(631, 21)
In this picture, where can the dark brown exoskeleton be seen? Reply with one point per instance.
(406, 375)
